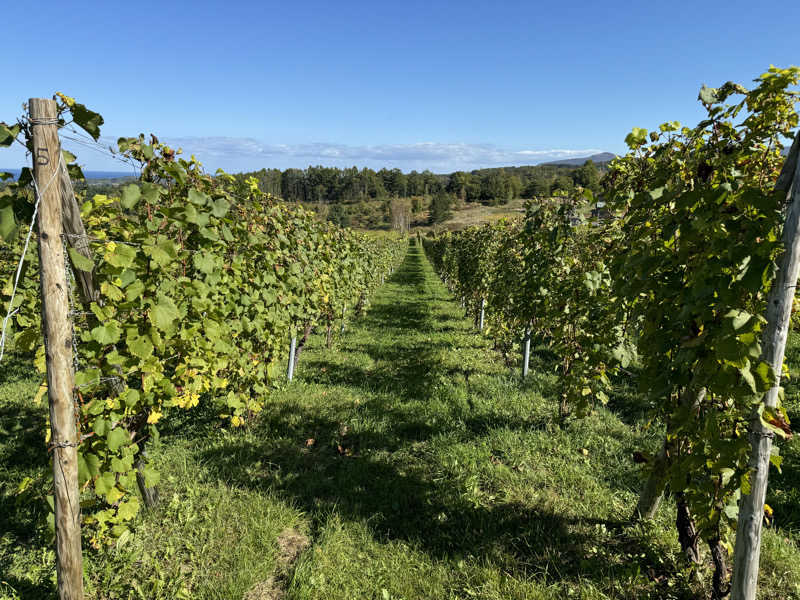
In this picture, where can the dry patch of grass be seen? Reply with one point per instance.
(474, 213)
(291, 544)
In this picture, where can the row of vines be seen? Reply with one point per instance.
(197, 283)
(666, 279)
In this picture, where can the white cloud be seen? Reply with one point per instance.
(236, 154)
(437, 156)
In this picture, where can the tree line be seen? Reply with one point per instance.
(367, 198)
(332, 185)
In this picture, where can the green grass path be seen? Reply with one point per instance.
(427, 471)
(406, 462)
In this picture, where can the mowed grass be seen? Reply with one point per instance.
(475, 213)
(406, 462)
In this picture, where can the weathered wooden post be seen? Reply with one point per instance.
(526, 351)
(77, 238)
(779, 309)
(290, 368)
(344, 310)
(58, 348)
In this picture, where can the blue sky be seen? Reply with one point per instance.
(444, 85)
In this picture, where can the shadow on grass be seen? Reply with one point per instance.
(342, 475)
(23, 508)
(22, 454)
(320, 466)
(17, 367)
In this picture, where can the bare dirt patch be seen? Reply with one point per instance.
(291, 544)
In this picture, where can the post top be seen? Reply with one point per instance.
(42, 108)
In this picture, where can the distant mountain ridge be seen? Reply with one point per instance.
(602, 157)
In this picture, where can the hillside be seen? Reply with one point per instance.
(477, 214)
(600, 158)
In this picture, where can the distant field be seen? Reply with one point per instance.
(475, 214)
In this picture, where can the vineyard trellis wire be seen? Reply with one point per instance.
(677, 282)
(18, 272)
(199, 280)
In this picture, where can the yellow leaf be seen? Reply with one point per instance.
(154, 416)
(69, 101)
(40, 393)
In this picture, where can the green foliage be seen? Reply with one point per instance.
(678, 277)
(545, 274)
(201, 281)
(588, 177)
(440, 208)
(468, 483)
(356, 189)
(701, 226)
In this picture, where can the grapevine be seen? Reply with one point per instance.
(200, 282)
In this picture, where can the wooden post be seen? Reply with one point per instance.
(779, 309)
(526, 352)
(344, 310)
(290, 368)
(482, 315)
(653, 490)
(58, 349)
(76, 236)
